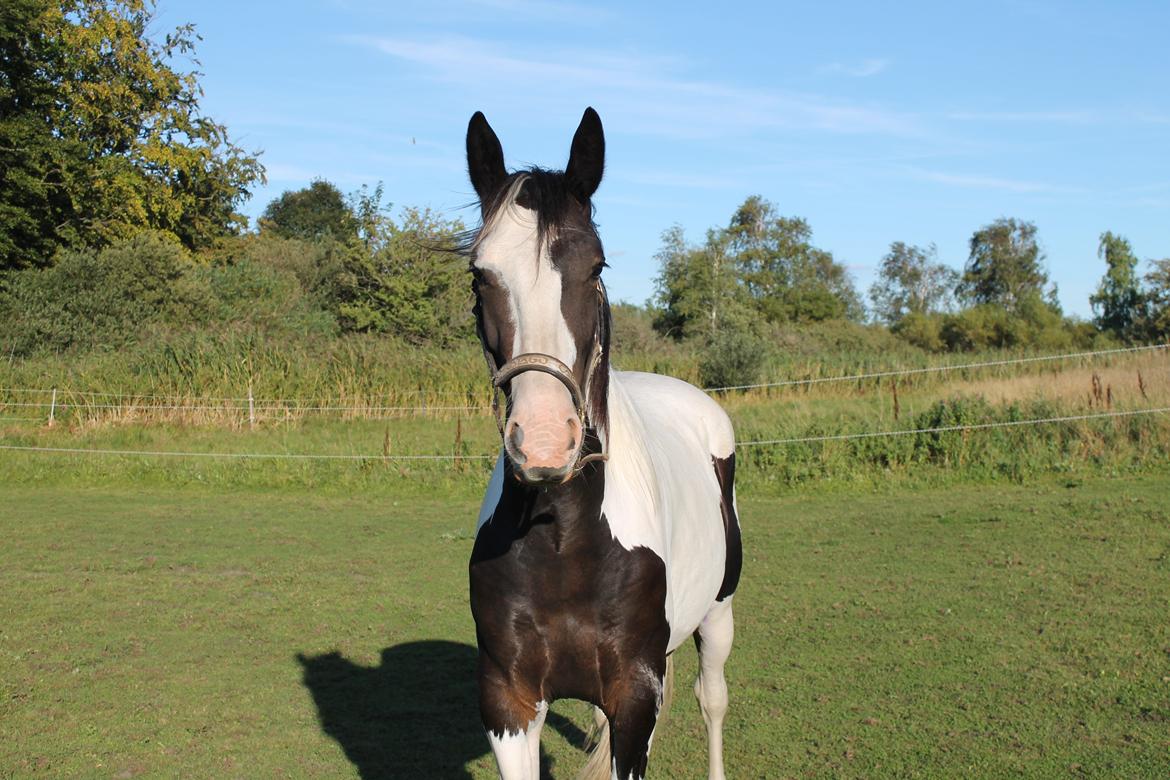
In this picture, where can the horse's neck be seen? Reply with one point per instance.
(626, 440)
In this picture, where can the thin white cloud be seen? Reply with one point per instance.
(647, 92)
(858, 70)
(340, 128)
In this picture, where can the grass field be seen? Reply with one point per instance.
(161, 630)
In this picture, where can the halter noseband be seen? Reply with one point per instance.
(538, 361)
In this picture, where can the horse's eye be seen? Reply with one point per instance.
(597, 269)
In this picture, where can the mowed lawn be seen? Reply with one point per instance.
(983, 631)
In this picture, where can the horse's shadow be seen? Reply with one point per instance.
(414, 715)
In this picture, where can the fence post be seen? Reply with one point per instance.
(251, 408)
(459, 444)
(53, 408)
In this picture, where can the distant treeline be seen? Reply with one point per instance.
(119, 224)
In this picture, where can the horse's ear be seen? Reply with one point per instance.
(586, 157)
(485, 158)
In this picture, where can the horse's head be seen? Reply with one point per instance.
(541, 309)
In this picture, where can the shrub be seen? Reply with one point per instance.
(266, 298)
(318, 265)
(732, 357)
(104, 298)
(922, 330)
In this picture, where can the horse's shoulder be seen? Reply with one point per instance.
(663, 400)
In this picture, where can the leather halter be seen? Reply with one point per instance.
(547, 364)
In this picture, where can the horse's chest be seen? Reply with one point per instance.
(568, 614)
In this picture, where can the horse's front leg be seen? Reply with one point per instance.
(632, 718)
(513, 721)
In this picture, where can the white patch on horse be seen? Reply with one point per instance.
(512, 250)
(518, 753)
(661, 491)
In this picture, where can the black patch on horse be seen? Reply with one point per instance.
(562, 610)
(725, 474)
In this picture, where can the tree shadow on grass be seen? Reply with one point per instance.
(414, 715)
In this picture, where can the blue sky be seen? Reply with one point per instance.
(916, 123)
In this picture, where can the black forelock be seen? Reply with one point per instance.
(544, 191)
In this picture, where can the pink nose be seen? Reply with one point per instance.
(543, 450)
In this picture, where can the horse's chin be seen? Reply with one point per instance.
(543, 476)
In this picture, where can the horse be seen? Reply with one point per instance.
(608, 533)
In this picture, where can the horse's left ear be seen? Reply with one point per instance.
(485, 158)
(586, 157)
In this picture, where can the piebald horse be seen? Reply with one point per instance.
(608, 534)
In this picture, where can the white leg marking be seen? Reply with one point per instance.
(715, 633)
(518, 753)
(533, 734)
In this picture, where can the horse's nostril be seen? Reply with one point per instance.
(515, 439)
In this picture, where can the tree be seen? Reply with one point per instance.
(787, 278)
(761, 267)
(105, 298)
(101, 137)
(696, 291)
(318, 211)
(1118, 301)
(1155, 323)
(911, 281)
(413, 286)
(1005, 266)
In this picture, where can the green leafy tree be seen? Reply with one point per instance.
(318, 211)
(1155, 323)
(414, 286)
(761, 268)
(911, 282)
(1118, 301)
(1005, 266)
(697, 291)
(372, 218)
(101, 137)
(787, 278)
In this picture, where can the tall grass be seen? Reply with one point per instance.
(374, 396)
(206, 377)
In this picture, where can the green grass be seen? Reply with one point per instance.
(162, 630)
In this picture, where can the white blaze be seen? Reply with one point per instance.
(518, 261)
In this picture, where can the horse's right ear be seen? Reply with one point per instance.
(485, 158)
